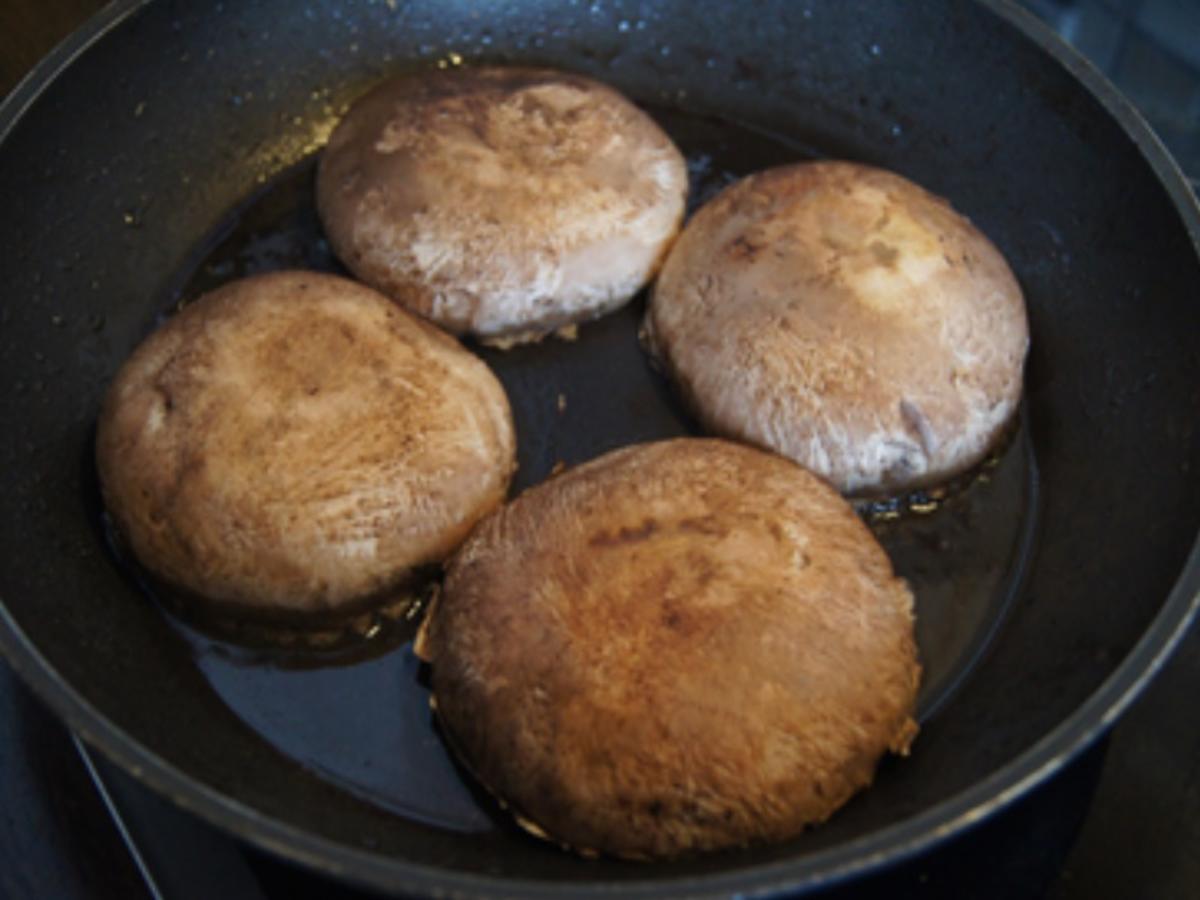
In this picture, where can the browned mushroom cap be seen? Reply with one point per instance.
(501, 202)
(846, 318)
(679, 646)
(295, 444)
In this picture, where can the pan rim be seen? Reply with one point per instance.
(870, 852)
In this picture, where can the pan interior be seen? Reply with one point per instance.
(359, 718)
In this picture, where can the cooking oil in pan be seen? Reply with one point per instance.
(354, 711)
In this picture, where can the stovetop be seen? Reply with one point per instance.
(1121, 821)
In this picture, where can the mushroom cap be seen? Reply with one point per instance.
(679, 646)
(501, 202)
(846, 318)
(295, 444)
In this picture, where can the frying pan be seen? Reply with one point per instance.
(168, 146)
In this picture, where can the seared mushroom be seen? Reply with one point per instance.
(295, 445)
(846, 318)
(504, 203)
(679, 646)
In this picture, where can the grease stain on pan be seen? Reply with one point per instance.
(359, 718)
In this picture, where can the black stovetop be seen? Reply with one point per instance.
(1121, 821)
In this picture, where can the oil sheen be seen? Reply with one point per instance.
(354, 710)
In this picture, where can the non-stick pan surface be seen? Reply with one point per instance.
(169, 147)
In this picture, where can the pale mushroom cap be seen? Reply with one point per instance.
(679, 646)
(846, 318)
(501, 202)
(295, 444)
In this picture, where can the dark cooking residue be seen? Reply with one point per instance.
(355, 711)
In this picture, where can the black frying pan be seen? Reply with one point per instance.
(167, 148)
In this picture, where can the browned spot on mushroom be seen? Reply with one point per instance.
(743, 249)
(884, 254)
(710, 525)
(624, 535)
